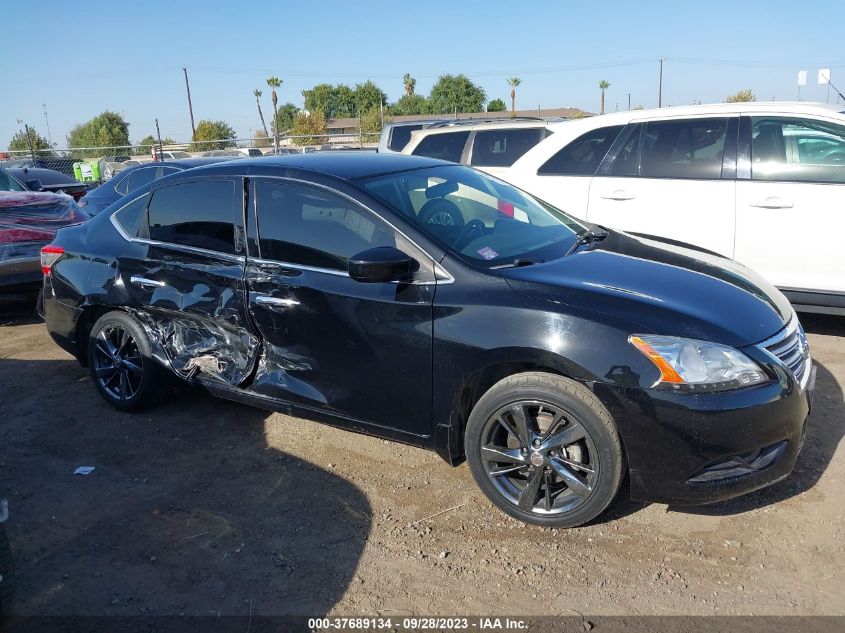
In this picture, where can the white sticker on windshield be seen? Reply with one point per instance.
(487, 253)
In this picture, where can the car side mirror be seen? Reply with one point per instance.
(381, 264)
(34, 185)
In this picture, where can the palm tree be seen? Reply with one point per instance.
(410, 84)
(513, 82)
(275, 82)
(258, 94)
(604, 84)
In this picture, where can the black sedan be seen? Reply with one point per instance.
(428, 303)
(128, 180)
(50, 180)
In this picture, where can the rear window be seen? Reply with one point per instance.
(199, 214)
(400, 135)
(501, 148)
(448, 146)
(7, 183)
(582, 156)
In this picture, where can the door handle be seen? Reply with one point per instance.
(146, 283)
(276, 303)
(619, 194)
(772, 202)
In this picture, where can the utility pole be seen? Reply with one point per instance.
(190, 107)
(660, 89)
(49, 136)
(160, 148)
(629, 102)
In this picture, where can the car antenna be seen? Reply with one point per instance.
(160, 148)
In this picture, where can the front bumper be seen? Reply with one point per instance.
(689, 449)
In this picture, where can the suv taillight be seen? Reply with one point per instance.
(49, 255)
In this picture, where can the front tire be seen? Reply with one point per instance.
(121, 363)
(544, 450)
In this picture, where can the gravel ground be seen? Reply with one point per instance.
(202, 506)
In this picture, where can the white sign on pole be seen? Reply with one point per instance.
(802, 77)
(824, 76)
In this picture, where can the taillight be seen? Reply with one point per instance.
(49, 255)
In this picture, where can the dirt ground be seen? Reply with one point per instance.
(201, 506)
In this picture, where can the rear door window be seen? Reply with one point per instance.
(447, 146)
(137, 178)
(687, 148)
(199, 214)
(501, 148)
(797, 150)
(582, 156)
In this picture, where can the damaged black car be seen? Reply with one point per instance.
(431, 304)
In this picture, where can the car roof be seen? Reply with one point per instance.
(46, 176)
(345, 165)
(184, 163)
(460, 125)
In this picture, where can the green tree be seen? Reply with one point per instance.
(144, 146)
(274, 82)
(742, 96)
(308, 127)
(514, 82)
(285, 117)
(410, 105)
(32, 142)
(321, 98)
(371, 125)
(343, 102)
(604, 84)
(368, 96)
(410, 84)
(213, 135)
(496, 105)
(106, 130)
(456, 92)
(258, 94)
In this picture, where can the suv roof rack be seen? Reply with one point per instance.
(453, 122)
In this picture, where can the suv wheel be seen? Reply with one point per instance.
(121, 363)
(544, 450)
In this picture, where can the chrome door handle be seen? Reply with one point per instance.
(275, 303)
(772, 202)
(619, 194)
(146, 283)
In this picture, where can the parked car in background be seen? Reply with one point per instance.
(28, 221)
(250, 151)
(63, 164)
(749, 181)
(110, 165)
(490, 145)
(556, 356)
(40, 179)
(132, 178)
(168, 154)
(231, 153)
(395, 136)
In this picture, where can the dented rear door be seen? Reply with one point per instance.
(189, 290)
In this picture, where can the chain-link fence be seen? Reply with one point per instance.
(98, 164)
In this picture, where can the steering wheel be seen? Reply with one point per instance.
(440, 211)
(474, 228)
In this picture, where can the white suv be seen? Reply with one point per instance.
(762, 183)
(491, 145)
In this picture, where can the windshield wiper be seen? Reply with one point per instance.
(593, 234)
(519, 262)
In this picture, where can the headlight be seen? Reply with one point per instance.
(690, 365)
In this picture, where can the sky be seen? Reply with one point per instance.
(128, 57)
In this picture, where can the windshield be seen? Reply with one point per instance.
(7, 183)
(478, 216)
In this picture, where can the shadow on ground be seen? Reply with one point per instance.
(188, 510)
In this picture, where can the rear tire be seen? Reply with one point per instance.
(544, 450)
(121, 363)
(7, 572)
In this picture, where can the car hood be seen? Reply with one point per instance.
(661, 288)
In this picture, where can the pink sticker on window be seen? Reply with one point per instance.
(487, 253)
